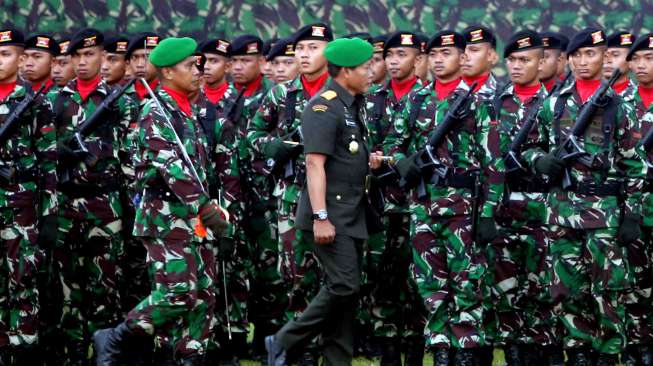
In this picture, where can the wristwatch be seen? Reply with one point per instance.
(320, 215)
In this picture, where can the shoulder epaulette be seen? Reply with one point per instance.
(329, 94)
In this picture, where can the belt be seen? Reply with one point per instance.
(603, 189)
(86, 190)
(459, 181)
(527, 186)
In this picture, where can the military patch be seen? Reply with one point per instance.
(90, 41)
(378, 47)
(626, 39)
(545, 42)
(597, 37)
(524, 42)
(222, 46)
(407, 40)
(151, 41)
(317, 31)
(447, 39)
(121, 46)
(63, 46)
(477, 35)
(5, 36)
(43, 42)
(329, 94)
(320, 108)
(650, 42)
(252, 48)
(290, 50)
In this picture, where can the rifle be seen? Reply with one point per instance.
(427, 161)
(294, 140)
(570, 149)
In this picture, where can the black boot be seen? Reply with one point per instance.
(109, 344)
(579, 357)
(441, 357)
(391, 352)
(465, 357)
(552, 355)
(164, 356)
(645, 355)
(484, 356)
(607, 360)
(414, 351)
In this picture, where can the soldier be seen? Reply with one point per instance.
(113, 60)
(480, 58)
(396, 308)
(277, 123)
(639, 326)
(519, 275)
(445, 56)
(62, 69)
(28, 186)
(615, 58)
(379, 71)
(282, 58)
(176, 194)
(595, 214)
(216, 86)
(555, 59)
(137, 53)
(38, 59)
(421, 63)
(332, 207)
(266, 66)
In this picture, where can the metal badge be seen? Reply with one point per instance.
(353, 147)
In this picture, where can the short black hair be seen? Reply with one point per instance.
(334, 70)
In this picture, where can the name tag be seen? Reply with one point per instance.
(350, 123)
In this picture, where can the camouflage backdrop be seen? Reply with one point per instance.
(267, 18)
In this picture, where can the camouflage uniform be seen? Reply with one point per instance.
(590, 269)
(90, 216)
(180, 305)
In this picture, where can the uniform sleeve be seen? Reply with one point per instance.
(630, 161)
(489, 155)
(129, 111)
(320, 129)
(545, 136)
(259, 130)
(46, 150)
(225, 162)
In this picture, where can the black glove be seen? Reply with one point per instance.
(69, 156)
(409, 171)
(629, 231)
(48, 227)
(549, 165)
(486, 230)
(278, 150)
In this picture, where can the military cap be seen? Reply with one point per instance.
(621, 40)
(423, 41)
(554, 41)
(284, 47)
(200, 60)
(479, 34)
(317, 31)
(172, 51)
(43, 42)
(268, 44)
(378, 42)
(362, 35)
(348, 52)
(402, 39)
(146, 40)
(64, 43)
(522, 41)
(642, 43)
(246, 45)
(447, 38)
(217, 46)
(88, 37)
(588, 37)
(116, 44)
(11, 37)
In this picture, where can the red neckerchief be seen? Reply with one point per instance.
(214, 95)
(401, 88)
(181, 99)
(6, 89)
(646, 94)
(444, 90)
(524, 93)
(549, 84)
(251, 87)
(481, 80)
(586, 88)
(620, 87)
(312, 87)
(85, 87)
(140, 88)
(48, 84)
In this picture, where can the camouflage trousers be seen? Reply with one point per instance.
(136, 284)
(180, 306)
(449, 271)
(19, 263)
(590, 275)
(519, 276)
(89, 243)
(639, 319)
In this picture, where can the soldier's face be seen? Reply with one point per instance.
(310, 57)
(377, 65)
(549, 65)
(400, 62)
(87, 62)
(285, 68)
(614, 58)
(113, 67)
(266, 69)
(524, 66)
(562, 63)
(642, 65)
(478, 59)
(141, 66)
(37, 65)
(588, 62)
(215, 68)
(62, 70)
(245, 69)
(9, 60)
(358, 78)
(183, 76)
(444, 63)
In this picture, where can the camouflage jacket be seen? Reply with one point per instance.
(644, 118)
(628, 95)
(170, 195)
(382, 108)
(460, 150)
(487, 90)
(610, 141)
(30, 150)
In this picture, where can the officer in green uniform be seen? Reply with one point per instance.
(333, 215)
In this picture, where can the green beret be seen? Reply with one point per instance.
(172, 51)
(348, 52)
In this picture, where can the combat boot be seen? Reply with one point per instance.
(391, 352)
(465, 357)
(110, 344)
(579, 357)
(607, 360)
(414, 351)
(193, 360)
(512, 354)
(645, 355)
(441, 357)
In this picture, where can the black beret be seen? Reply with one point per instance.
(64, 43)
(317, 31)
(43, 42)
(479, 34)
(378, 42)
(217, 46)
(88, 37)
(588, 37)
(447, 38)
(116, 44)
(621, 40)
(146, 40)
(283, 47)
(554, 41)
(644, 42)
(362, 35)
(200, 60)
(402, 39)
(267, 45)
(11, 37)
(522, 41)
(246, 45)
(423, 41)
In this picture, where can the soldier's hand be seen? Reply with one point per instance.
(212, 216)
(486, 231)
(278, 150)
(629, 231)
(549, 165)
(408, 170)
(376, 160)
(323, 232)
